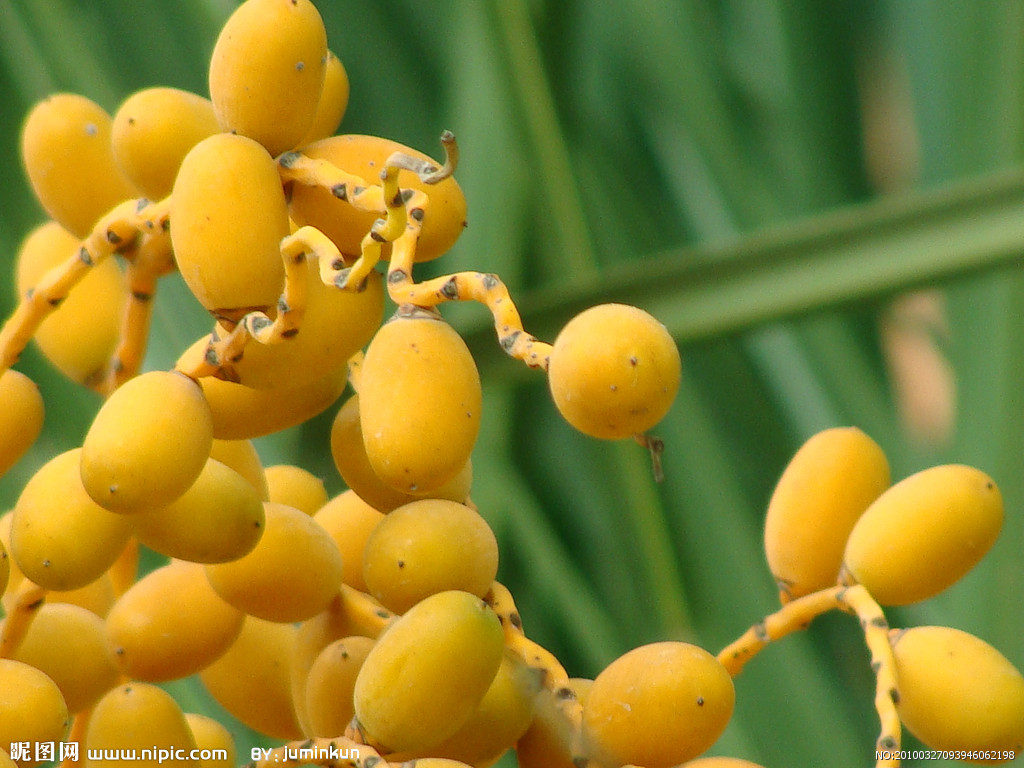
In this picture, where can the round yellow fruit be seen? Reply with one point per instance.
(658, 705)
(31, 707)
(137, 716)
(614, 371)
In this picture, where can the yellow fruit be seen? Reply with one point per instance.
(228, 216)
(80, 336)
(336, 324)
(21, 417)
(429, 671)
(217, 520)
(267, 71)
(426, 547)
(251, 680)
(443, 220)
(502, 717)
(210, 735)
(923, 534)
(153, 130)
(292, 573)
(243, 413)
(349, 520)
(5, 568)
(242, 457)
(96, 596)
(330, 683)
(956, 692)
(296, 487)
(823, 491)
(658, 705)
(148, 443)
(614, 371)
(138, 716)
(419, 403)
(171, 624)
(65, 145)
(31, 707)
(349, 453)
(52, 521)
(330, 109)
(69, 644)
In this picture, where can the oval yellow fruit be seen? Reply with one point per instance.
(924, 533)
(428, 672)
(957, 692)
(420, 403)
(148, 443)
(822, 493)
(21, 418)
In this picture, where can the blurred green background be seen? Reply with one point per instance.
(824, 203)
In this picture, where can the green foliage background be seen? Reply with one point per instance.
(765, 176)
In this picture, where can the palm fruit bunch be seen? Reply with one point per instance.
(371, 622)
(368, 629)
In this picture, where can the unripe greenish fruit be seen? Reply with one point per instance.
(429, 546)
(137, 716)
(31, 707)
(153, 130)
(65, 145)
(53, 517)
(251, 680)
(924, 534)
(658, 705)
(349, 453)
(69, 644)
(81, 335)
(428, 672)
(330, 109)
(614, 371)
(228, 216)
(242, 413)
(148, 443)
(292, 573)
(217, 520)
(171, 624)
(444, 216)
(267, 71)
(957, 692)
(823, 491)
(21, 417)
(420, 403)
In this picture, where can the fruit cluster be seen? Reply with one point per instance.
(369, 627)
